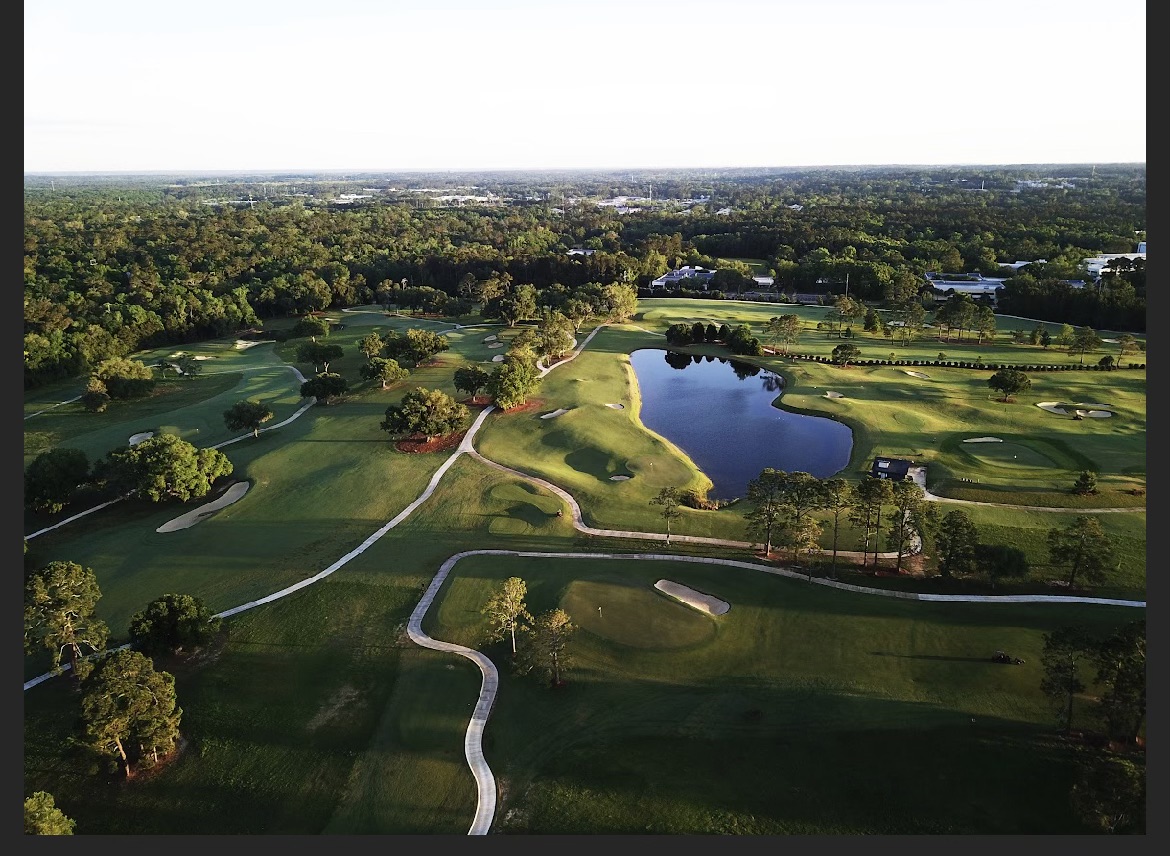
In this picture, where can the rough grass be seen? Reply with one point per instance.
(320, 716)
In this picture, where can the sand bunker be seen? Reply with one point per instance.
(917, 374)
(496, 345)
(498, 358)
(1052, 407)
(241, 345)
(491, 338)
(617, 406)
(1111, 341)
(983, 440)
(1095, 414)
(619, 478)
(554, 414)
(135, 439)
(1088, 406)
(189, 519)
(696, 599)
(830, 394)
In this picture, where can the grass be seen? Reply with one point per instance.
(802, 710)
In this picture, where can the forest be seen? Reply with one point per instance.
(117, 263)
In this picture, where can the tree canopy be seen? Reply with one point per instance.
(59, 604)
(427, 413)
(163, 468)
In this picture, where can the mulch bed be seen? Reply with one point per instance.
(413, 445)
(531, 404)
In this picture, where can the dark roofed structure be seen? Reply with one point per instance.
(890, 468)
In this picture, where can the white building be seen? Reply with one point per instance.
(686, 276)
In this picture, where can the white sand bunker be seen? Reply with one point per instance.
(135, 439)
(830, 394)
(205, 357)
(1052, 407)
(498, 358)
(496, 345)
(619, 478)
(983, 440)
(917, 374)
(554, 414)
(1111, 341)
(491, 338)
(186, 521)
(1095, 414)
(241, 345)
(617, 406)
(696, 599)
(1088, 406)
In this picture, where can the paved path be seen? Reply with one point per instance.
(919, 476)
(473, 737)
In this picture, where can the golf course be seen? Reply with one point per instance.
(709, 686)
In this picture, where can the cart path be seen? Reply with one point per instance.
(473, 737)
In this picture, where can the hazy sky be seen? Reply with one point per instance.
(513, 84)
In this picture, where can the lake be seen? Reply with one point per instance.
(720, 413)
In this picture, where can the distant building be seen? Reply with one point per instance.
(1095, 264)
(890, 468)
(689, 277)
(578, 251)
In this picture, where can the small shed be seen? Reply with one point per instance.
(890, 468)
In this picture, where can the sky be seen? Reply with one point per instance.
(404, 85)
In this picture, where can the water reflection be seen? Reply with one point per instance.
(720, 412)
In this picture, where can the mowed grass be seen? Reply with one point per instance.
(320, 715)
(673, 722)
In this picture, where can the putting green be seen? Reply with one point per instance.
(1011, 456)
(635, 616)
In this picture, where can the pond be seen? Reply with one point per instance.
(720, 413)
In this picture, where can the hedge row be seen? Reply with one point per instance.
(966, 364)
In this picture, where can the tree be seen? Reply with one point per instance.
(1045, 339)
(471, 379)
(839, 496)
(1064, 337)
(872, 494)
(711, 334)
(1001, 561)
(766, 494)
(984, 322)
(845, 353)
(371, 345)
(1083, 547)
(802, 493)
(1086, 483)
(1106, 362)
(669, 499)
(907, 498)
(1009, 382)
(129, 711)
(427, 413)
(804, 539)
(53, 478)
(383, 370)
(59, 602)
(162, 468)
(1084, 339)
(317, 352)
(42, 817)
(124, 377)
(1121, 672)
(311, 326)
(173, 623)
(871, 324)
(189, 367)
(546, 647)
(507, 612)
(1065, 650)
(1110, 794)
(325, 387)
(698, 332)
(679, 334)
(619, 302)
(1126, 345)
(741, 341)
(956, 542)
(785, 328)
(518, 304)
(554, 335)
(247, 415)
(513, 380)
(95, 399)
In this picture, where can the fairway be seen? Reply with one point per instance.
(807, 706)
